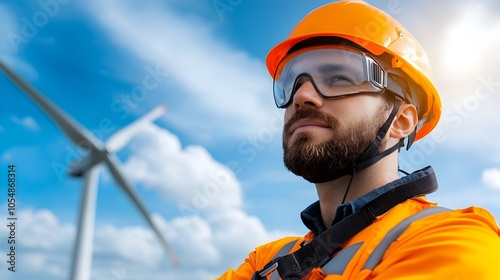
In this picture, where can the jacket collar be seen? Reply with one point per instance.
(311, 216)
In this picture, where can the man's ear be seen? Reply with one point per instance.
(405, 121)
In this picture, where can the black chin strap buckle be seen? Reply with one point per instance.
(411, 138)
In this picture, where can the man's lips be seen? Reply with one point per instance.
(306, 123)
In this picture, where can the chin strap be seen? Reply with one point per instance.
(371, 155)
(371, 161)
(348, 186)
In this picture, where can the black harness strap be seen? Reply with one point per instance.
(319, 251)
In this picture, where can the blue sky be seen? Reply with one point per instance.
(210, 169)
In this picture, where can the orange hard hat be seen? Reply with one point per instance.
(377, 32)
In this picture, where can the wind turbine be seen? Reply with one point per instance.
(88, 167)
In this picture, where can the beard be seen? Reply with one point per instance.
(331, 159)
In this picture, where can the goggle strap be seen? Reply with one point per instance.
(394, 87)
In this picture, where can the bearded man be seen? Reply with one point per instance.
(351, 98)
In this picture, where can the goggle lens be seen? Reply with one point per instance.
(334, 73)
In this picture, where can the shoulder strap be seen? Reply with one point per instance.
(338, 264)
(319, 251)
(395, 232)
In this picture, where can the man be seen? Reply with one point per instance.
(354, 84)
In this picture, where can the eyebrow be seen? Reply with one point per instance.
(325, 68)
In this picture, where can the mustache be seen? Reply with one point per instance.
(310, 114)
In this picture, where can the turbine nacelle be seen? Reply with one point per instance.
(78, 167)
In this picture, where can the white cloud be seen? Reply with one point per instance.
(55, 266)
(219, 84)
(236, 234)
(27, 122)
(192, 239)
(136, 244)
(42, 245)
(189, 176)
(491, 178)
(37, 230)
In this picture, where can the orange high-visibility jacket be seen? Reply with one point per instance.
(453, 245)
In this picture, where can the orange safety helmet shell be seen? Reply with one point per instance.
(377, 32)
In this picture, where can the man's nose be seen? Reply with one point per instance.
(307, 96)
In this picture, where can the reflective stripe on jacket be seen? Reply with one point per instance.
(452, 245)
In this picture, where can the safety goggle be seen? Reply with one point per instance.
(334, 73)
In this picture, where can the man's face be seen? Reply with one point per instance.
(323, 137)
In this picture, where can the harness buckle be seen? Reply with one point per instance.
(268, 270)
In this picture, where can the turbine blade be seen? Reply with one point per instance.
(118, 140)
(73, 130)
(113, 165)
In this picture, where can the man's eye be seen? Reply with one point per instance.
(339, 81)
(300, 81)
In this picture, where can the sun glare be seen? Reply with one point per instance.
(465, 41)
